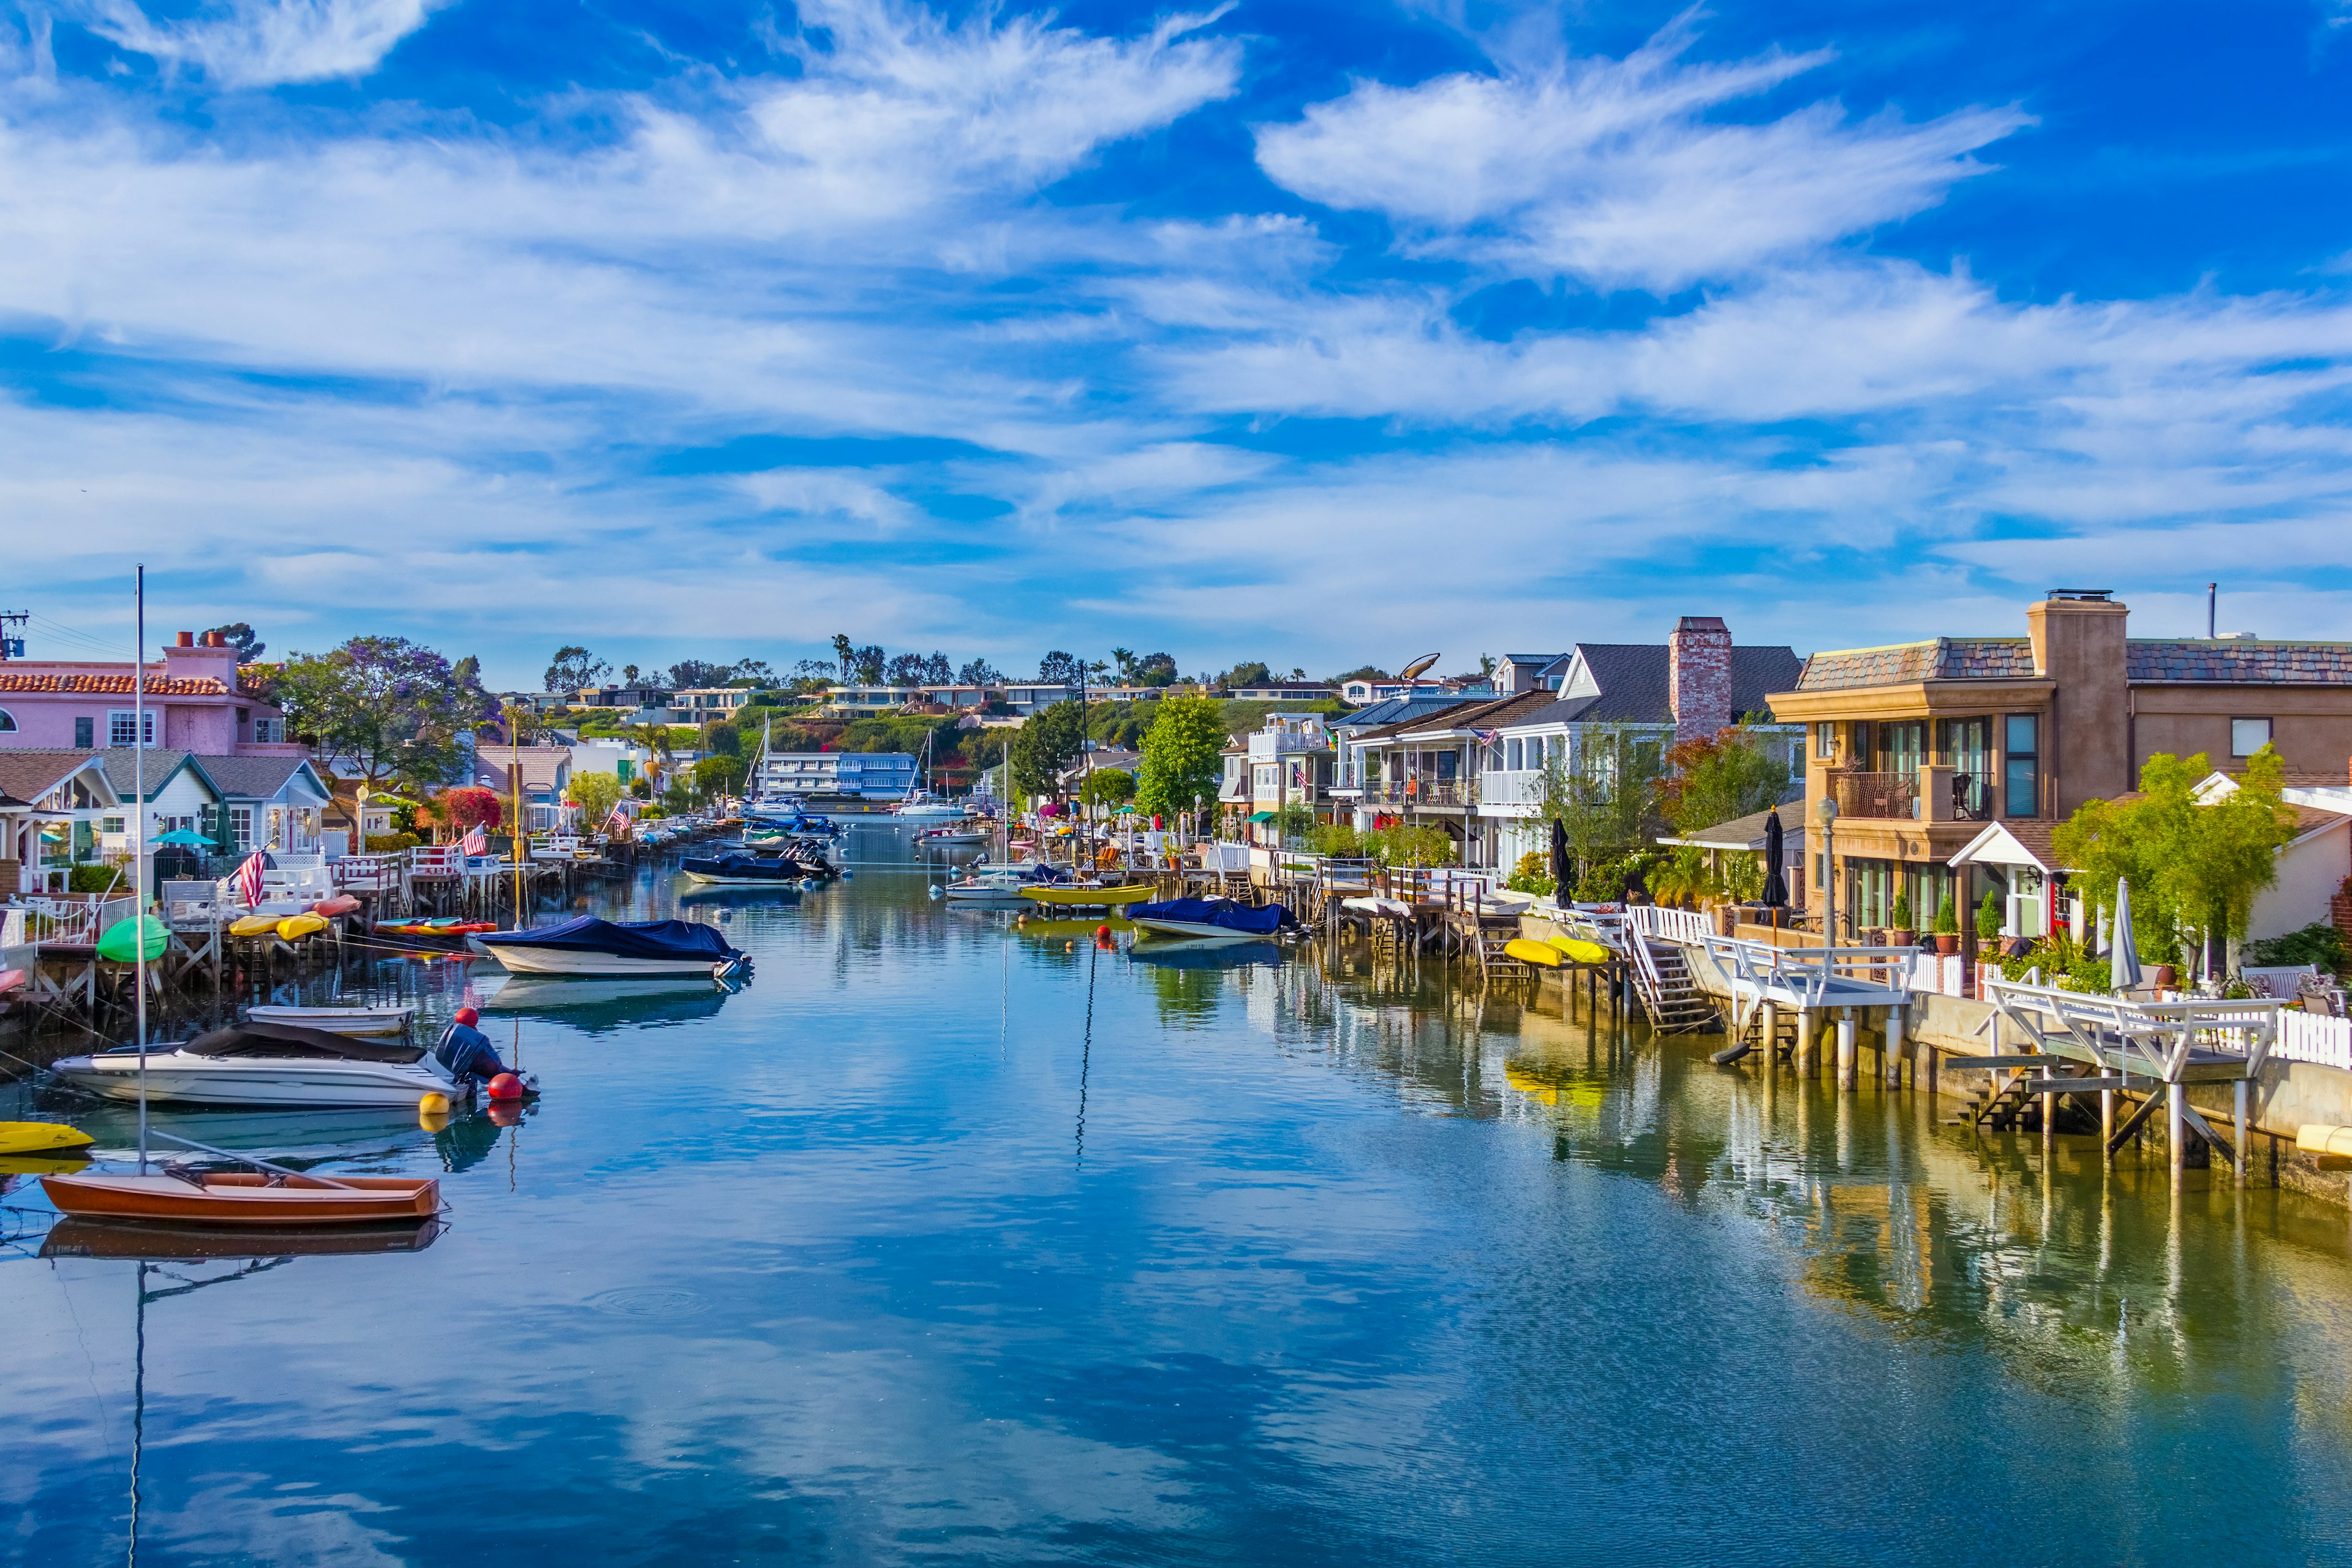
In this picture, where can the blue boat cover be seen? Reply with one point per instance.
(776, 870)
(1223, 914)
(625, 939)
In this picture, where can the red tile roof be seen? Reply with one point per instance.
(115, 685)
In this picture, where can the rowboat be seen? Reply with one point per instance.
(351, 1020)
(1083, 897)
(593, 946)
(244, 1198)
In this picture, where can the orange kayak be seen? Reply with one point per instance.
(236, 1197)
(341, 904)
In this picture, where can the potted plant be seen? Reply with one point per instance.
(1989, 917)
(1947, 928)
(1900, 932)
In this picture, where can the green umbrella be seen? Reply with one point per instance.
(1125, 811)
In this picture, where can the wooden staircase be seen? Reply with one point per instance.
(1670, 996)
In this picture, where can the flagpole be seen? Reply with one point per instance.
(139, 837)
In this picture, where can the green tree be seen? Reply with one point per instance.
(242, 637)
(573, 668)
(383, 707)
(595, 794)
(720, 776)
(1721, 777)
(1108, 786)
(1184, 756)
(1604, 800)
(1043, 746)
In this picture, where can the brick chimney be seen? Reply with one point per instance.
(1699, 676)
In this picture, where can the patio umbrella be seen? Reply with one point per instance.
(1776, 886)
(2123, 957)
(182, 838)
(1559, 858)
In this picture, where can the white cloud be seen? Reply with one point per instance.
(1605, 169)
(264, 42)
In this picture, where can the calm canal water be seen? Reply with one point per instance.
(894, 1257)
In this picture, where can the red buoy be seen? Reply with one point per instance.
(506, 1086)
(1102, 933)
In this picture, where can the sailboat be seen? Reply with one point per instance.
(272, 1196)
(920, 804)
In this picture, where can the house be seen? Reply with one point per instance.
(819, 776)
(635, 698)
(1364, 690)
(1517, 672)
(532, 777)
(1282, 691)
(180, 793)
(265, 803)
(1071, 778)
(1424, 768)
(1744, 836)
(1925, 747)
(701, 704)
(194, 702)
(1652, 694)
(1290, 762)
(1025, 697)
(53, 806)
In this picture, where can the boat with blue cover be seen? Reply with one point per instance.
(593, 946)
(1225, 920)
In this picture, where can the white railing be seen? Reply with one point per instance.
(1809, 972)
(2160, 1035)
(2306, 1037)
(72, 921)
(1670, 925)
(1523, 787)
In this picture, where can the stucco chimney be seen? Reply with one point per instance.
(1699, 676)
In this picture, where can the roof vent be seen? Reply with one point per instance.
(2085, 596)
(2237, 636)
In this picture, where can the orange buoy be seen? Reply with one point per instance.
(506, 1086)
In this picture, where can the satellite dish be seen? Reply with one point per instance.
(1418, 666)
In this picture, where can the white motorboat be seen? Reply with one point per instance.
(611, 948)
(931, 811)
(1209, 920)
(268, 1065)
(988, 890)
(950, 838)
(340, 1020)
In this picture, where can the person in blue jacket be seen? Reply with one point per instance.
(465, 1051)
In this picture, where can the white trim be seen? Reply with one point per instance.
(1978, 851)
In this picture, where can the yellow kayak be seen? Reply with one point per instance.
(1579, 950)
(1543, 955)
(253, 925)
(39, 1137)
(294, 928)
(1087, 897)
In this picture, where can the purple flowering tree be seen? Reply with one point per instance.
(388, 709)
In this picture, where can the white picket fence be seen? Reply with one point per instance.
(2308, 1037)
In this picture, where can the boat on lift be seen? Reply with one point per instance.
(1088, 895)
(1210, 920)
(351, 1019)
(591, 946)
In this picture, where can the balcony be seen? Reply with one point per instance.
(1877, 796)
(1451, 794)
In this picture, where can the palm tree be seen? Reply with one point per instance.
(1125, 656)
(655, 739)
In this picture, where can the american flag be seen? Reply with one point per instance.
(476, 841)
(249, 880)
(619, 822)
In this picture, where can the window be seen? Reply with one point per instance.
(110, 825)
(1902, 747)
(264, 730)
(124, 727)
(85, 732)
(1517, 754)
(1824, 741)
(2248, 736)
(2021, 765)
(240, 826)
(8, 722)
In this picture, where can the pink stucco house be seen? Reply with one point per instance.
(193, 704)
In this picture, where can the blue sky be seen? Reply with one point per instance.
(1314, 332)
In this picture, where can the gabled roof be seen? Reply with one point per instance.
(257, 778)
(163, 767)
(2012, 843)
(1744, 832)
(28, 776)
(1389, 709)
(1491, 713)
(1634, 682)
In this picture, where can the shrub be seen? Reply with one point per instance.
(1606, 881)
(2321, 944)
(1989, 917)
(1899, 917)
(91, 879)
(1947, 919)
(390, 843)
(2064, 966)
(1339, 840)
(1532, 875)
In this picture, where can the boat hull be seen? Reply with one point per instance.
(181, 1079)
(1196, 930)
(235, 1199)
(518, 959)
(338, 1020)
(1087, 898)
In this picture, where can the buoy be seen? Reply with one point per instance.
(506, 1086)
(1069, 947)
(1102, 932)
(433, 1105)
(937, 890)
(844, 875)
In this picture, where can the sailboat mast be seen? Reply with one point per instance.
(139, 836)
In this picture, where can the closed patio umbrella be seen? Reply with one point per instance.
(2123, 954)
(1776, 885)
(1560, 867)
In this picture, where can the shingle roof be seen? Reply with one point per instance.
(1636, 684)
(1902, 664)
(114, 685)
(250, 778)
(2238, 663)
(26, 775)
(122, 764)
(1491, 713)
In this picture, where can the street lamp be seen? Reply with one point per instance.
(1826, 815)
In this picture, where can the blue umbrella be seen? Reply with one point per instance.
(2123, 956)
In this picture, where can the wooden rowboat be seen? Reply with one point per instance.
(242, 1198)
(1089, 898)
